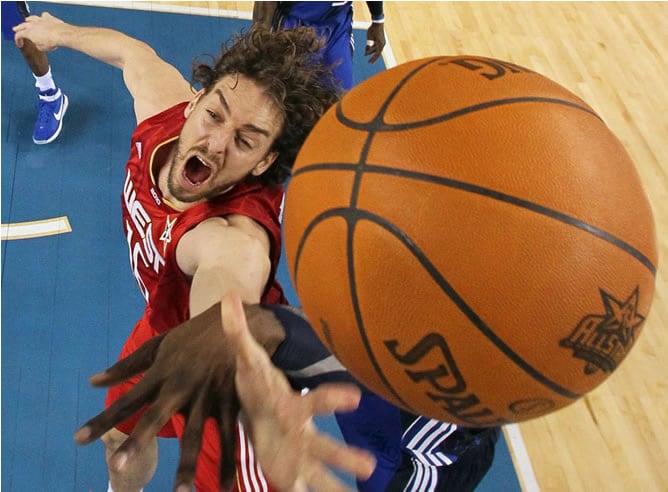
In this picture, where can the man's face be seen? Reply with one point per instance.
(227, 135)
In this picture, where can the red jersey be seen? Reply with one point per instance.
(153, 228)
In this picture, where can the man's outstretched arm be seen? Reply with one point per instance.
(154, 84)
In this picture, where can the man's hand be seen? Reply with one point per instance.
(45, 31)
(292, 453)
(188, 370)
(375, 42)
(191, 370)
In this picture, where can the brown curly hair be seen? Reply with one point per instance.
(285, 63)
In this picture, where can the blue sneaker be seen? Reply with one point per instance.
(52, 108)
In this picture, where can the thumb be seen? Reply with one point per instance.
(235, 327)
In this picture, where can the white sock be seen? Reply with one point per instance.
(45, 82)
(109, 489)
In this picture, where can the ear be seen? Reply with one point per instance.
(264, 164)
(191, 105)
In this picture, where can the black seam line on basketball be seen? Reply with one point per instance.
(458, 300)
(377, 121)
(379, 126)
(445, 287)
(496, 195)
(383, 107)
(336, 212)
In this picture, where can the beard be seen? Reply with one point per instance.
(196, 173)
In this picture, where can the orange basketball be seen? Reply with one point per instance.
(470, 240)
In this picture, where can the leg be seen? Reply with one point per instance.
(376, 427)
(142, 467)
(52, 102)
(36, 59)
(13, 13)
(139, 470)
(467, 472)
(338, 51)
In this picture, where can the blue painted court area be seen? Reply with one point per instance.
(69, 300)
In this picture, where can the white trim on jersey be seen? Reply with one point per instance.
(423, 479)
(423, 445)
(251, 477)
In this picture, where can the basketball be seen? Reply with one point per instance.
(470, 240)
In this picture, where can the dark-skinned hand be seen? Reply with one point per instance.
(191, 369)
(375, 43)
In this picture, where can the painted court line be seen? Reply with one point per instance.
(388, 54)
(35, 228)
(521, 458)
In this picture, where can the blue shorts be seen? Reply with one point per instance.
(338, 34)
(13, 13)
(451, 460)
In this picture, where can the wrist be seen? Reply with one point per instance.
(378, 19)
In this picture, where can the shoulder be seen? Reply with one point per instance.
(167, 119)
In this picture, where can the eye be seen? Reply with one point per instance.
(242, 142)
(213, 115)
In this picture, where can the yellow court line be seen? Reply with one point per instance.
(35, 228)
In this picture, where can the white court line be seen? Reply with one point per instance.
(35, 228)
(388, 54)
(521, 458)
(175, 9)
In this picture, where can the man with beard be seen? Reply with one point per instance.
(201, 210)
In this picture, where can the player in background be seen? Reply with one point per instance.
(333, 21)
(51, 100)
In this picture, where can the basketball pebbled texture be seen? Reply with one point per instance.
(470, 240)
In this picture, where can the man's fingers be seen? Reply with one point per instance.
(172, 398)
(227, 428)
(355, 461)
(141, 394)
(336, 397)
(136, 363)
(321, 479)
(191, 442)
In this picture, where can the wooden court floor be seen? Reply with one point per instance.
(613, 55)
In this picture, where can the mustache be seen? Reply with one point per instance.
(199, 150)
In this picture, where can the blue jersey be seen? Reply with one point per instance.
(317, 12)
(333, 21)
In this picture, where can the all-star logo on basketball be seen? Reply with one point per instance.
(603, 341)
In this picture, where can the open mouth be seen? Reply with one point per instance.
(196, 171)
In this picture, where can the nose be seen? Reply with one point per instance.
(219, 140)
